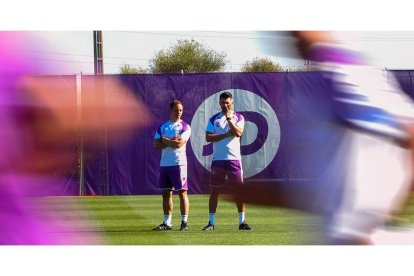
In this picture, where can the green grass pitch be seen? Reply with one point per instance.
(128, 220)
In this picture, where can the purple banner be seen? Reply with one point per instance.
(282, 110)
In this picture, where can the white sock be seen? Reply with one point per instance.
(184, 218)
(241, 217)
(168, 219)
(212, 217)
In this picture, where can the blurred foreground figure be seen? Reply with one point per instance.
(39, 126)
(369, 142)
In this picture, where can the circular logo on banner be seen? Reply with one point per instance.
(261, 135)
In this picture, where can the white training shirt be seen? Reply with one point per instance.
(173, 156)
(364, 97)
(229, 147)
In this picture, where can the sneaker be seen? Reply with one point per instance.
(244, 226)
(162, 227)
(184, 226)
(209, 227)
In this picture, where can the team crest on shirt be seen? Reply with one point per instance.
(217, 124)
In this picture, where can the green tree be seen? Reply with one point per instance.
(128, 69)
(262, 65)
(188, 56)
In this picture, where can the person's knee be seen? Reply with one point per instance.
(214, 192)
(167, 194)
(183, 195)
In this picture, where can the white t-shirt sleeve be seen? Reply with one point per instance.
(186, 134)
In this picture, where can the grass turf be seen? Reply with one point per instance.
(128, 220)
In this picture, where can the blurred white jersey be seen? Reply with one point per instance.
(376, 182)
(364, 97)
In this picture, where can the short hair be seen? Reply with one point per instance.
(174, 103)
(226, 95)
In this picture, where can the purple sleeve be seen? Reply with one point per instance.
(186, 131)
(240, 120)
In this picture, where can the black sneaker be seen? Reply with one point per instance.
(184, 226)
(162, 227)
(244, 226)
(209, 227)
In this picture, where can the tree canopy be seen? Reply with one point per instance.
(188, 56)
(128, 69)
(262, 65)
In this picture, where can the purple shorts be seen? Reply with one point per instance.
(173, 178)
(223, 171)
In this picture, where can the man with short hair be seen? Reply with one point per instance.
(224, 130)
(171, 137)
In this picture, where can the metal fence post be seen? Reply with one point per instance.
(80, 145)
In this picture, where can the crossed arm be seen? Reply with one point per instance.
(164, 142)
